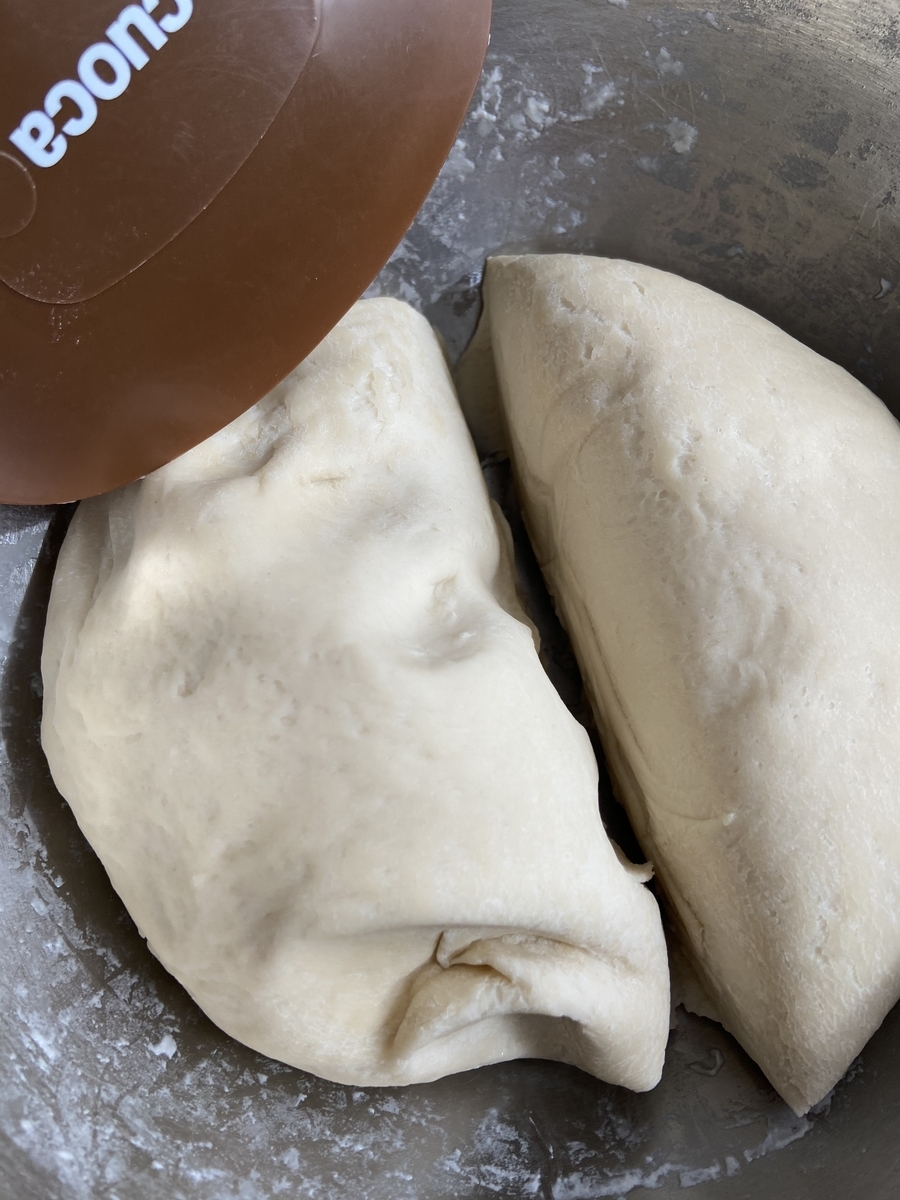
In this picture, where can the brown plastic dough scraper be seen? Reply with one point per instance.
(192, 193)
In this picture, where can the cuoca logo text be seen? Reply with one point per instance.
(104, 73)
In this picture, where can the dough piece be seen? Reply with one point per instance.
(717, 510)
(293, 704)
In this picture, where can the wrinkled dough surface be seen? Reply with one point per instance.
(290, 698)
(717, 511)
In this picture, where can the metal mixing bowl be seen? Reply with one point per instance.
(753, 145)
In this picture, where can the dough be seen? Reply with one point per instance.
(294, 706)
(717, 511)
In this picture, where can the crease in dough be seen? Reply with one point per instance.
(297, 710)
(716, 508)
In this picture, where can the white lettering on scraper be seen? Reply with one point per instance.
(104, 73)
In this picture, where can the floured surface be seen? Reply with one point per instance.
(715, 508)
(200, 1126)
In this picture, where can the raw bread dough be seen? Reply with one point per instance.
(292, 701)
(717, 511)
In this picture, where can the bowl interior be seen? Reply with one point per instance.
(750, 145)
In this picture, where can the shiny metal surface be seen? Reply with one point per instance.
(749, 144)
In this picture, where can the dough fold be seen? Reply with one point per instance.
(294, 705)
(717, 513)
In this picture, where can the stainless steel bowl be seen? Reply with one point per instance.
(752, 145)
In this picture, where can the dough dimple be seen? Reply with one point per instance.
(296, 710)
(717, 510)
